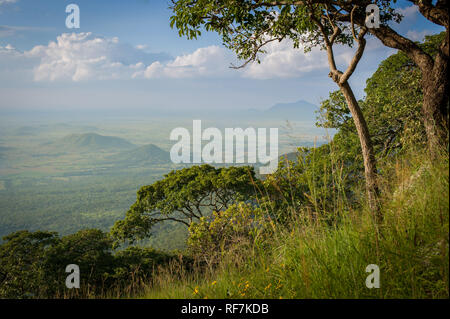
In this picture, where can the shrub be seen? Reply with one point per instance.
(212, 237)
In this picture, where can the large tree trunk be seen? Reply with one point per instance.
(435, 103)
(370, 168)
(434, 80)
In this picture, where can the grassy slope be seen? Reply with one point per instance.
(312, 260)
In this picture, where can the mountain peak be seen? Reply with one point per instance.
(300, 110)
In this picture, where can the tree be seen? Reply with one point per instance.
(315, 182)
(183, 196)
(392, 104)
(323, 176)
(33, 264)
(246, 26)
(434, 68)
(21, 264)
(212, 237)
(134, 267)
(90, 249)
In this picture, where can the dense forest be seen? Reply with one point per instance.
(376, 193)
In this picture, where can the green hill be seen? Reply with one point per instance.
(140, 156)
(94, 142)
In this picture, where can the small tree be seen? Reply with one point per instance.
(22, 257)
(184, 196)
(212, 237)
(91, 250)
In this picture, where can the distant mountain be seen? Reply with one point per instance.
(300, 111)
(141, 156)
(94, 142)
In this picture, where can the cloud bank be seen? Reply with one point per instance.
(82, 57)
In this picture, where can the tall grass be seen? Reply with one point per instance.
(309, 258)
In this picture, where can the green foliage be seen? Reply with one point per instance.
(319, 182)
(22, 256)
(302, 232)
(90, 249)
(310, 259)
(134, 267)
(212, 237)
(33, 264)
(324, 236)
(135, 259)
(393, 103)
(392, 107)
(183, 196)
(68, 204)
(247, 25)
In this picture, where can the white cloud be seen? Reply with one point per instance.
(74, 56)
(204, 62)
(7, 1)
(409, 12)
(412, 24)
(281, 60)
(7, 49)
(8, 54)
(82, 56)
(417, 35)
(14, 65)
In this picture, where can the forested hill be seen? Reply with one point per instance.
(144, 155)
(92, 142)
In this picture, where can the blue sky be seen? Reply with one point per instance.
(126, 57)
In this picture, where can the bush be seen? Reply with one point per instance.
(33, 264)
(212, 237)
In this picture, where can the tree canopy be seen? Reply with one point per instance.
(246, 26)
(185, 195)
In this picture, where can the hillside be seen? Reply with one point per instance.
(93, 142)
(294, 261)
(141, 156)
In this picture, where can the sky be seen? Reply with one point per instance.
(126, 58)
